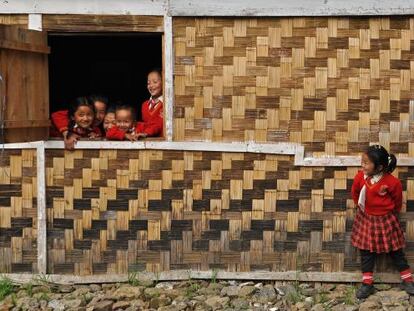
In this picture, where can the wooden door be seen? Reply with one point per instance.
(24, 85)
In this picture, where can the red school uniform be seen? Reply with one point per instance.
(115, 133)
(60, 121)
(84, 133)
(376, 228)
(152, 117)
(382, 197)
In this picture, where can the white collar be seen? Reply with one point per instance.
(374, 178)
(158, 99)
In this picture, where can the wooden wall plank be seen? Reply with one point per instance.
(111, 23)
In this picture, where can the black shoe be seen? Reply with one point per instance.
(408, 287)
(365, 291)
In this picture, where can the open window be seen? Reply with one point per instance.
(111, 64)
(24, 95)
(75, 55)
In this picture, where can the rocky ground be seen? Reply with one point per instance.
(197, 295)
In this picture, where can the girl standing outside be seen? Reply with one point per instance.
(376, 228)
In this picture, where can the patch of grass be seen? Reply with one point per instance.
(133, 279)
(157, 277)
(294, 297)
(13, 299)
(350, 295)
(191, 290)
(214, 276)
(6, 287)
(44, 296)
(42, 279)
(322, 298)
(28, 287)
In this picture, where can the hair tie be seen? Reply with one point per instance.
(389, 159)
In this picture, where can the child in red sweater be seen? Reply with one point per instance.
(82, 116)
(60, 119)
(152, 109)
(109, 119)
(376, 228)
(125, 127)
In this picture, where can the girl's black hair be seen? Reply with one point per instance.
(99, 98)
(378, 155)
(122, 106)
(76, 103)
(157, 70)
(111, 108)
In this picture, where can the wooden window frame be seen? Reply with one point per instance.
(81, 23)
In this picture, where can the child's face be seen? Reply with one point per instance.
(124, 119)
(84, 117)
(368, 167)
(154, 84)
(100, 109)
(109, 120)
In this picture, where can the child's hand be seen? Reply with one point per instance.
(131, 137)
(141, 135)
(71, 141)
(94, 135)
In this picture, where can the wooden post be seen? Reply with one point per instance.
(41, 209)
(169, 77)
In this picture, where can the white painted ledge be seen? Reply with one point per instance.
(107, 7)
(294, 149)
(290, 8)
(211, 7)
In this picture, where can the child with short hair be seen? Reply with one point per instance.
(81, 114)
(152, 109)
(109, 119)
(60, 119)
(376, 228)
(125, 127)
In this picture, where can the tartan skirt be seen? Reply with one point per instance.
(378, 234)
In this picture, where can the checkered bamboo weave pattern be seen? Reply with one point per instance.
(18, 211)
(120, 210)
(332, 84)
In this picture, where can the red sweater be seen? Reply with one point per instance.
(85, 132)
(152, 120)
(383, 197)
(60, 121)
(115, 133)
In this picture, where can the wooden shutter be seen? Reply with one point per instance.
(24, 85)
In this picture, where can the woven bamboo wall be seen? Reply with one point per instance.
(18, 214)
(332, 84)
(120, 210)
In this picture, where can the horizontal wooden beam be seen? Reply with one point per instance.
(27, 47)
(182, 275)
(102, 23)
(11, 124)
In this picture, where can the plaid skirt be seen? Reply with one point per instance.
(378, 234)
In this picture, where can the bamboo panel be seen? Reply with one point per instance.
(332, 84)
(18, 211)
(199, 210)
